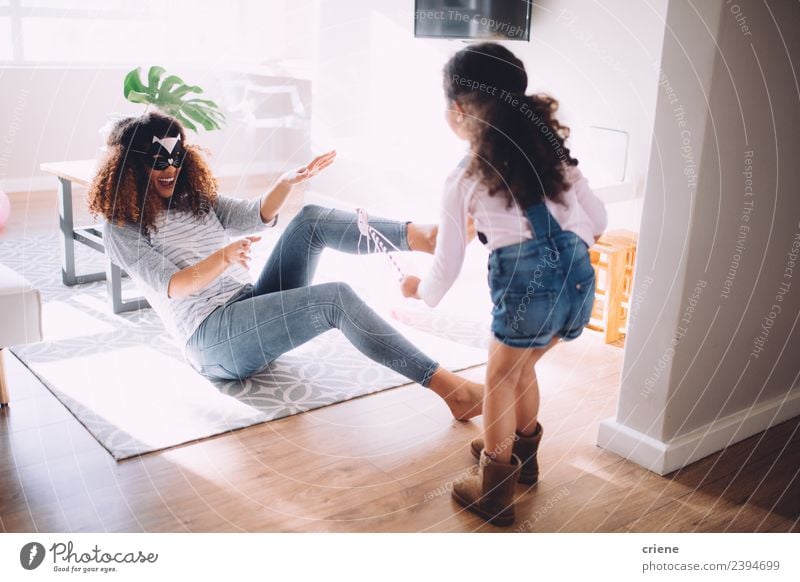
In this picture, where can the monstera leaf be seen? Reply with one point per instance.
(174, 97)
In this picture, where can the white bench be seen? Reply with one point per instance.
(20, 318)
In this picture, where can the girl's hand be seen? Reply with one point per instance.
(409, 287)
(239, 252)
(318, 164)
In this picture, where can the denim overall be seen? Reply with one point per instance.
(543, 287)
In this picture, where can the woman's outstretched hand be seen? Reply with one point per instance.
(200, 275)
(239, 252)
(307, 172)
(409, 286)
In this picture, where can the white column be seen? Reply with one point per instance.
(719, 221)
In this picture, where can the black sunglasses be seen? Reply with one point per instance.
(162, 162)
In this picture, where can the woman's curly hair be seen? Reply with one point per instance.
(517, 142)
(120, 191)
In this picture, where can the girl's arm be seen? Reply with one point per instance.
(451, 242)
(591, 204)
(198, 276)
(273, 201)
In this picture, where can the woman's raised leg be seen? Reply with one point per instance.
(296, 255)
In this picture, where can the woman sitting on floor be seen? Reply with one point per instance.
(169, 229)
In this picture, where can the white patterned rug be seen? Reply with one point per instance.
(124, 379)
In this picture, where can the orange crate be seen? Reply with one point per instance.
(613, 257)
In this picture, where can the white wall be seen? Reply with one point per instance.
(379, 100)
(599, 59)
(710, 264)
(376, 91)
(53, 104)
(55, 113)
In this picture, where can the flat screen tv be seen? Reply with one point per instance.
(473, 19)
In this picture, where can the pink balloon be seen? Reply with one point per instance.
(5, 208)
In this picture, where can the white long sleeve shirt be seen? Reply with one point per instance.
(582, 212)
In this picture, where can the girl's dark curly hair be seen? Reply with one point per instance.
(120, 190)
(517, 142)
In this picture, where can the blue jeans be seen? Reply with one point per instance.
(283, 311)
(541, 288)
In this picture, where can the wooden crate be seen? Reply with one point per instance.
(613, 257)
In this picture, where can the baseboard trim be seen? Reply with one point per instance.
(32, 184)
(666, 457)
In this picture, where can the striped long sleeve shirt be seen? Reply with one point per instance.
(180, 241)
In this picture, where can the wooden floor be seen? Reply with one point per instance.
(384, 462)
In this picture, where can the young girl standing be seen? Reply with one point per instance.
(534, 210)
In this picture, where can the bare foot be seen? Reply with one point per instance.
(463, 397)
(466, 402)
(422, 237)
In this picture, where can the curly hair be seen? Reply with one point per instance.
(518, 145)
(120, 191)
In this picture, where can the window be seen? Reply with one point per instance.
(146, 31)
(6, 51)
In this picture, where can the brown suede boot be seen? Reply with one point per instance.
(525, 448)
(490, 493)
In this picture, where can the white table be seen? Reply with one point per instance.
(82, 172)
